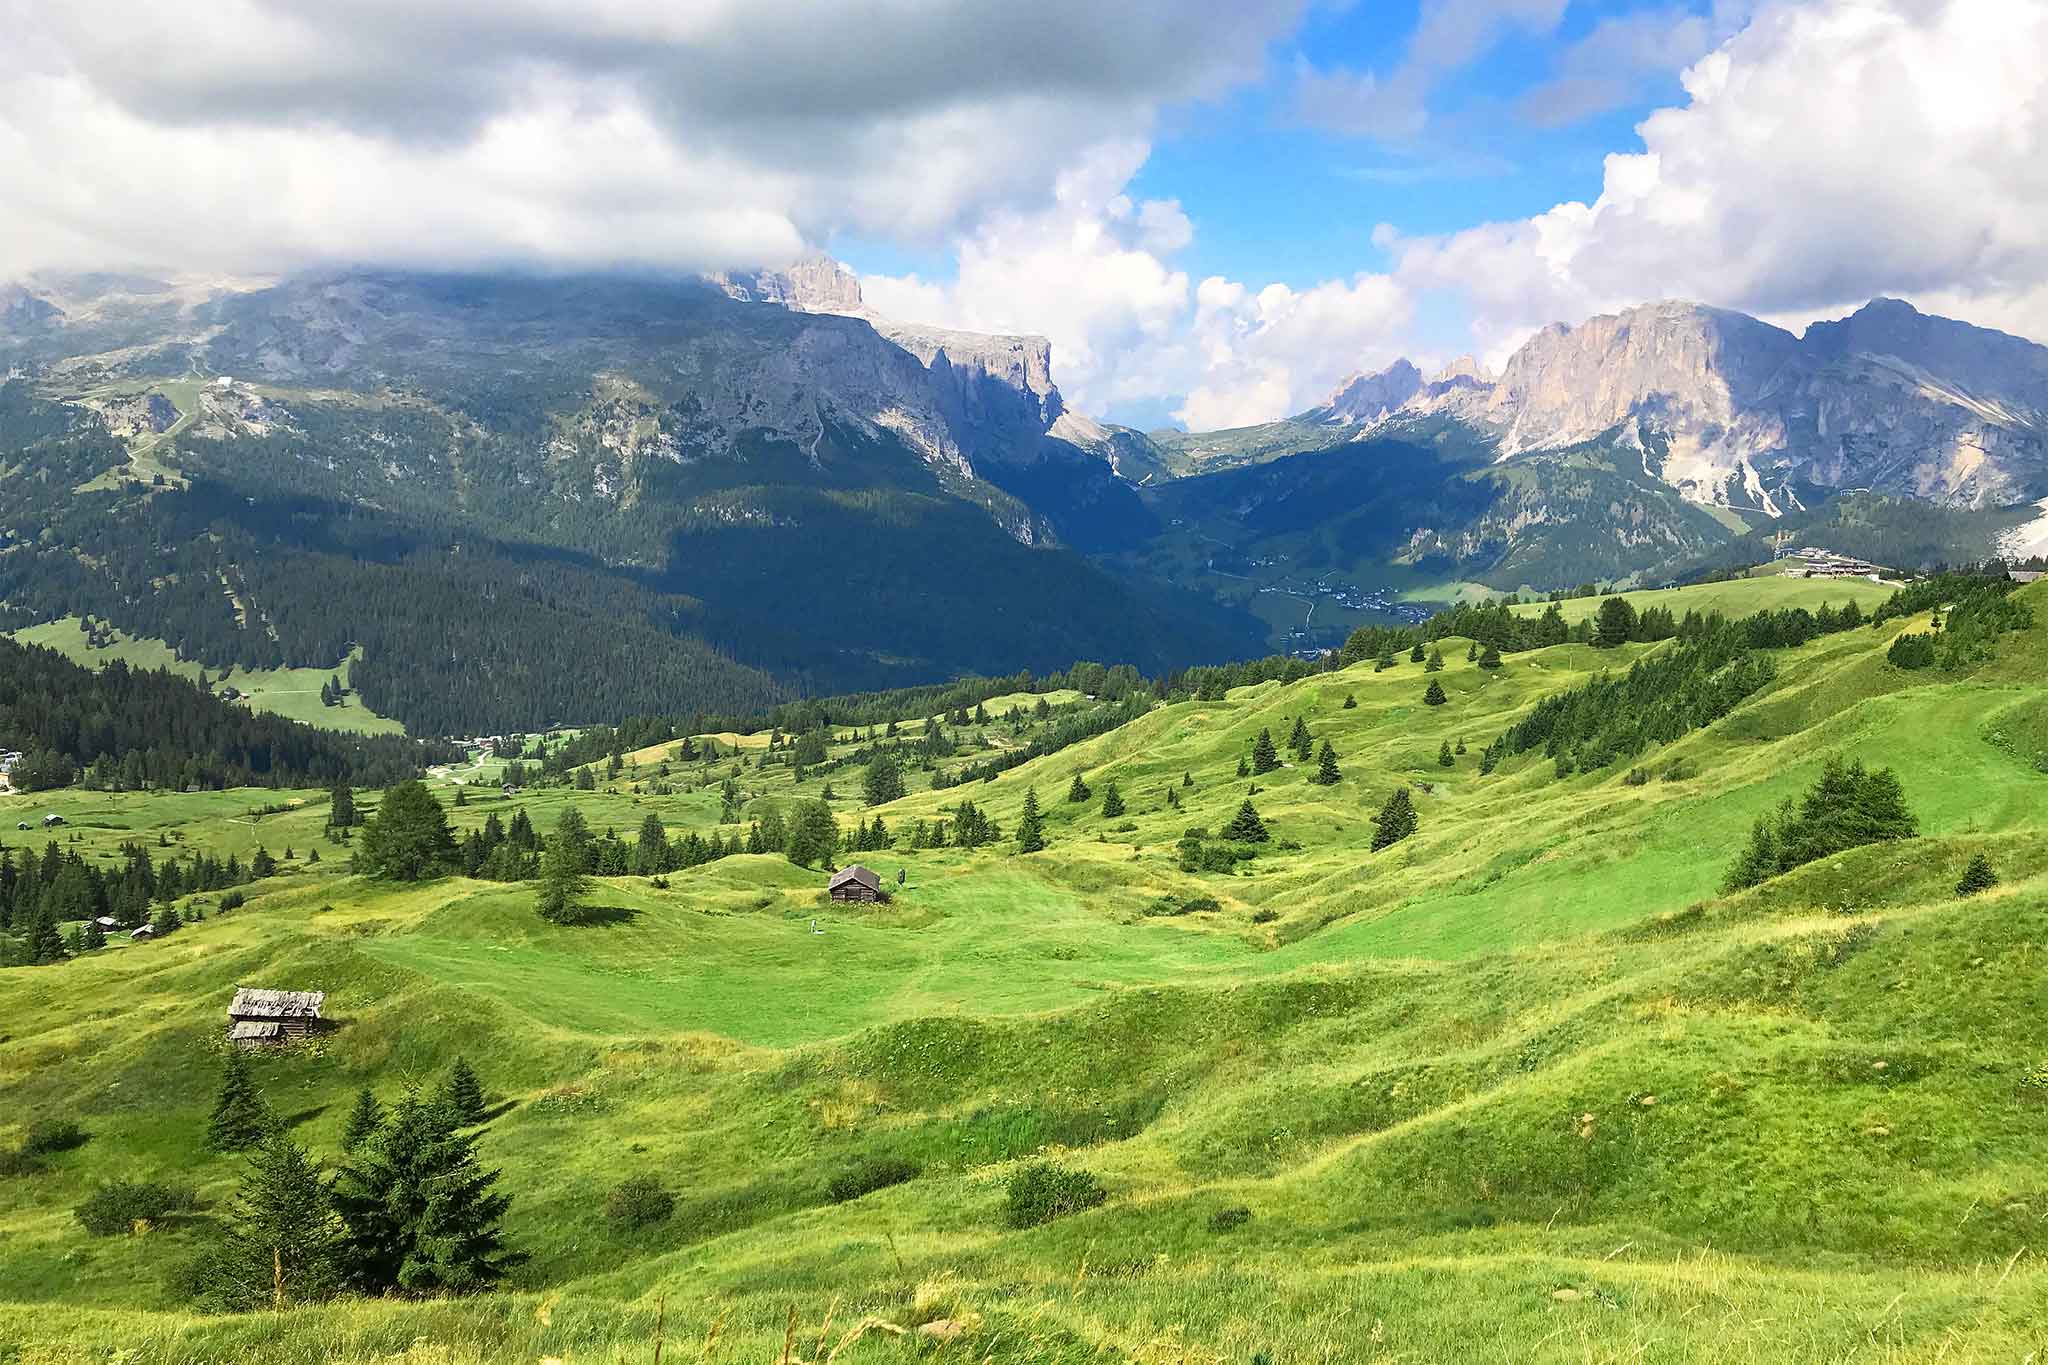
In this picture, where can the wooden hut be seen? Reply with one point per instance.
(855, 883)
(258, 1018)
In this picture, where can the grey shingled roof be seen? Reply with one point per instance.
(253, 1003)
(855, 873)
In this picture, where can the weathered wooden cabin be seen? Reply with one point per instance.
(855, 883)
(259, 1018)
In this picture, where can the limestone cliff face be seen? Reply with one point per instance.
(1370, 397)
(1746, 414)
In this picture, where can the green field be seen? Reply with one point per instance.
(293, 693)
(1524, 1087)
(1738, 597)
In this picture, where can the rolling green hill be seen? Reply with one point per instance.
(1526, 1085)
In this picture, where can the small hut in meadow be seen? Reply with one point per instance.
(260, 1018)
(855, 883)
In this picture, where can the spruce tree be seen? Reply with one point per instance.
(1415, 654)
(1436, 662)
(261, 864)
(408, 840)
(1386, 661)
(417, 1208)
(563, 865)
(463, 1093)
(813, 835)
(1030, 825)
(1246, 827)
(1396, 820)
(1977, 877)
(1350, 702)
(1471, 651)
(1759, 858)
(1113, 800)
(95, 936)
(1461, 744)
(240, 1117)
(1443, 756)
(1077, 790)
(1616, 625)
(1490, 657)
(1434, 695)
(1243, 769)
(365, 1117)
(281, 1241)
(341, 807)
(1300, 741)
(1326, 773)
(1264, 757)
(884, 780)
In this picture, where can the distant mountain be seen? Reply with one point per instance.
(1751, 417)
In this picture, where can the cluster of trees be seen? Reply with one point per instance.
(1971, 612)
(1717, 664)
(132, 729)
(409, 1210)
(1068, 730)
(1847, 807)
(39, 894)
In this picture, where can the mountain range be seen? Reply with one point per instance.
(528, 499)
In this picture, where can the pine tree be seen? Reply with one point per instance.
(884, 780)
(1471, 651)
(95, 936)
(1415, 654)
(1113, 801)
(1461, 744)
(1326, 773)
(408, 840)
(417, 1209)
(1490, 657)
(167, 920)
(1077, 791)
(1030, 825)
(341, 807)
(563, 867)
(240, 1117)
(1243, 769)
(1443, 756)
(1246, 827)
(1616, 625)
(463, 1093)
(462, 795)
(365, 1117)
(1977, 877)
(281, 1242)
(1396, 820)
(1386, 661)
(1264, 757)
(813, 836)
(1300, 741)
(261, 864)
(1350, 702)
(1436, 662)
(1758, 861)
(1434, 696)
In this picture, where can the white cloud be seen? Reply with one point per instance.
(1604, 69)
(1092, 272)
(1828, 152)
(1449, 35)
(262, 134)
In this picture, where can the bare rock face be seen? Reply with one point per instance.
(1370, 397)
(1744, 414)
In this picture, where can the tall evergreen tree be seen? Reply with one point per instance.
(1490, 657)
(417, 1208)
(281, 1241)
(463, 1093)
(1246, 827)
(1415, 654)
(1300, 741)
(45, 943)
(365, 1117)
(95, 936)
(1444, 758)
(240, 1117)
(1436, 661)
(1077, 790)
(813, 835)
(1030, 824)
(341, 807)
(1616, 624)
(1264, 757)
(1113, 800)
(408, 839)
(564, 868)
(1396, 820)
(1326, 773)
(651, 851)
(883, 781)
(1434, 695)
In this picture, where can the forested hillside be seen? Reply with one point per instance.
(123, 729)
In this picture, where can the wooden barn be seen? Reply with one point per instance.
(855, 883)
(259, 1018)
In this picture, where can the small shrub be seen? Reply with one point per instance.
(1637, 777)
(637, 1202)
(1264, 916)
(868, 1175)
(233, 900)
(1227, 1220)
(16, 1163)
(1044, 1190)
(54, 1135)
(1977, 877)
(1681, 770)
(117, 1208)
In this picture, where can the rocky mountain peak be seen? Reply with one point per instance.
(1370, 397)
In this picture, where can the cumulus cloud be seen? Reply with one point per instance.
(1093, 273)
(266, 134)
(1827, 153)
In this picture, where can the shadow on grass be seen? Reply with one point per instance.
(605, 915)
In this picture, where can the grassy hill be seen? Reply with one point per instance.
(1523, 1086)
(293, 693)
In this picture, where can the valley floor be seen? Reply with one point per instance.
(1526, 1086)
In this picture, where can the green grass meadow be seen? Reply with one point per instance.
(1524, 1087)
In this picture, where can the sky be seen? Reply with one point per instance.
(1214, 211)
